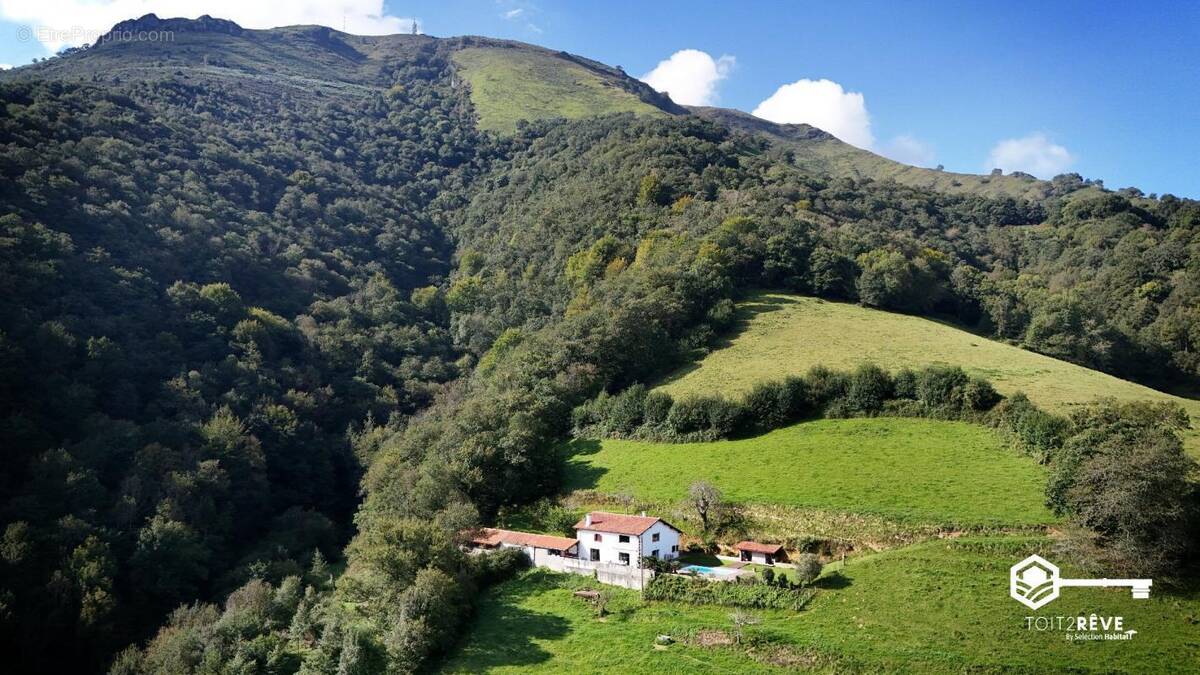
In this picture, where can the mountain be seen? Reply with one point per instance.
(821, 152)
(285, 297)
(509, 81)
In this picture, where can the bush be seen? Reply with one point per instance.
(766, 407)
(905, 384)
(941, 387)
(671, 587)
(808, 568)
(869, 387)
(506, 563)
(655, 408)
(942, 392)
(688, 416)
(824, 386)
(625, 411)
(708, 416)
(1036, 432)
(980, 395)
(724, 416)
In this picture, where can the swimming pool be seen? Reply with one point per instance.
(714, 572)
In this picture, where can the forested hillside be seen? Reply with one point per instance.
(239, 280)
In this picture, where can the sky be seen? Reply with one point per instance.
(1107, 90)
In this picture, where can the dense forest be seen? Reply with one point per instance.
(247, 333)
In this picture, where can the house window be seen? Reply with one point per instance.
(623, 558)
(654, 537)
(595, 555)
(595, 537)
(624, 538)
(654, 553)
(675, 548)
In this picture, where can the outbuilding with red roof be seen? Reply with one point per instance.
(765, 554)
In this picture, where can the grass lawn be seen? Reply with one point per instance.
(508, 85)
(914, 469)
(940, 607)
(781, 335)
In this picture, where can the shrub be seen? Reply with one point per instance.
(824, 386)
(655, 408)
(724, 416)
(941, 387)
(1036, 432)
(980, 395)
(902, 407)
(808, 568)
(671, 587)
(590, 413)
(709, 416)
(869, 387)
(905, 384)
(492, 568)
(795, 397)
(625, 411)
(767, 406)
(687, 416)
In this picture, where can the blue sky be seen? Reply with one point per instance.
(1111, 92)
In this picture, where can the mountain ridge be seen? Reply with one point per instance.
(342, 60)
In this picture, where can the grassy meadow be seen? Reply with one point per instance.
(936, 607)
(508, 85)
(780, 335)
(913, 469)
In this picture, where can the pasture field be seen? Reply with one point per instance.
(936, 607)
(916, 470)
(780, 335)
(508, 85)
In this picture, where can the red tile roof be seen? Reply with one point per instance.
(619, 523)
(755, 547)
(490, 536)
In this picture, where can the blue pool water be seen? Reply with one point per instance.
(715, 572)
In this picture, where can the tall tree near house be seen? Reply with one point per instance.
(706, 499)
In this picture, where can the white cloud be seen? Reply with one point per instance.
(690, 76)
(61, 23)
(1034, 154)
(909, 150)
(5, 66)
(822, 104)
(514, 13)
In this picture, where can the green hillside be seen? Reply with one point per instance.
(276, 305)
(923, 470)
(784, 334)
(508, 85)
(821, 152)
(937, 607)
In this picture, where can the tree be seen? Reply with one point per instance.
(706, 500)
(808, 567)
(740, 619)
(1134, 491)
(1125, 475)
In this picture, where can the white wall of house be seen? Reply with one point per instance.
(628, 549)
(667, 544)
(760, 558)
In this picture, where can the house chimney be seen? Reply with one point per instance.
(643, 514)
(587, 520)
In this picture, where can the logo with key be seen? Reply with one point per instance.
(1034, 582)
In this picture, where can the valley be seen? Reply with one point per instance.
(290, 314)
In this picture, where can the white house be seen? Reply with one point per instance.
(625, 540)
